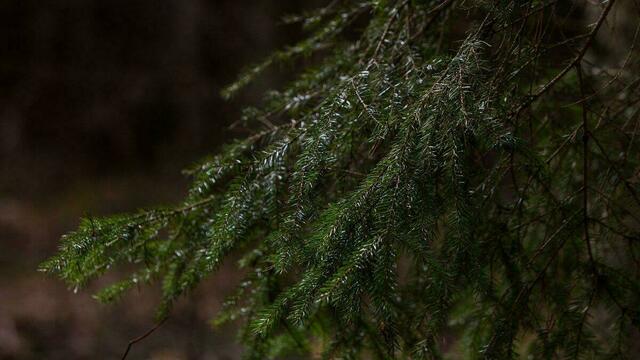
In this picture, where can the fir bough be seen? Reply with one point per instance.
(455, 178)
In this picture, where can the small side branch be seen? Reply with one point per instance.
(576, 60)
(585, 171)
(142, 337)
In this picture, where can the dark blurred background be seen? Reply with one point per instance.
(102, 104)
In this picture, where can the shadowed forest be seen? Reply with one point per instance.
(102, 105)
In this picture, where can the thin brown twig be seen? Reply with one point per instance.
(583, 320)
(366, 107)
(621, 176)
(434, 13)
(142, 337)
(585, 173)
(575, 61)
(618, 73)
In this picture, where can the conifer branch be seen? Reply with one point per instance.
(391, 197)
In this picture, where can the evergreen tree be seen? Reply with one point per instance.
(452, 177)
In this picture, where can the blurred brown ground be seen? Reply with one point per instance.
(102, 103)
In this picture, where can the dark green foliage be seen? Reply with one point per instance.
(455, 178)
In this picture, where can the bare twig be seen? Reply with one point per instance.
(576, 60)
(585, 173)
(142, 337)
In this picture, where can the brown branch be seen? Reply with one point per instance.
(583, 320)
(526, 16)
(434, 13)
(585, 173)
(631, 213)
(142, 337)
(618, 172)
(576, 60)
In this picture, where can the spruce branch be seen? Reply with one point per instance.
(397, 193)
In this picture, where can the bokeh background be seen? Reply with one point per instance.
(102, 104)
